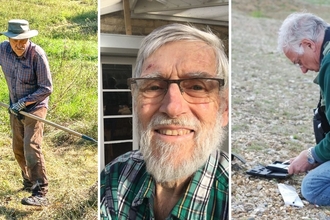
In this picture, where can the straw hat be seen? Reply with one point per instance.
(19, 29)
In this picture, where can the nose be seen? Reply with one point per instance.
(20, 44)
(173, 104)
(303, 69)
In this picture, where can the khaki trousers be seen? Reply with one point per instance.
(27, 139)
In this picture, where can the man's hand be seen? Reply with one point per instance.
(16, 107)
(300, 164)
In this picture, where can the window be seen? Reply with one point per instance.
(117, 117)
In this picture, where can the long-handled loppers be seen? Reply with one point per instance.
(52, 124)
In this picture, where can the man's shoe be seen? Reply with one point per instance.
(35, 201)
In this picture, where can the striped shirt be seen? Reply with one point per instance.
(127, 190)
(28, 77)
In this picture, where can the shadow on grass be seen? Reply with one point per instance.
(13, 214)
(87, 20)
(82, 209)
(86, 210)
(81, 26)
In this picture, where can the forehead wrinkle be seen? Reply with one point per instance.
(199, 74)
(153, 75)
(203, 58)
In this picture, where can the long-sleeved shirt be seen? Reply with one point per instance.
(28, 77)
(127, 190)
(321, 152)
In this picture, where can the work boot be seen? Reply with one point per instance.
(36, 200)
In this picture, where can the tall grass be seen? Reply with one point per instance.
(68, 34)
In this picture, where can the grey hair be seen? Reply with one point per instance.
(298, 26)
(177, 32)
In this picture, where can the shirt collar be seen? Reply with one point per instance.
(146, 191)
(325, 40)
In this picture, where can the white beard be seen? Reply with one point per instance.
(166, 167)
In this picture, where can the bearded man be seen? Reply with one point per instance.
(180, 98)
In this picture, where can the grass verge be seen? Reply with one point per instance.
(68, 34)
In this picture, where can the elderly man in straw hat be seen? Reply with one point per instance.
(28, 77)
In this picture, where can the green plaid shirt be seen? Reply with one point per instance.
(127, 190)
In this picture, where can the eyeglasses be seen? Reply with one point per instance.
(193, 90)
(297, 62)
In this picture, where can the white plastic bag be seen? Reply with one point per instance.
(289, 194)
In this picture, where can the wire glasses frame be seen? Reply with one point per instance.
(193, 90)
(297, 62)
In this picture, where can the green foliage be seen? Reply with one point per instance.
(257, 14)
(68, 34)
(255, 147)
(318, 2)
(55, 19)
(4, 97)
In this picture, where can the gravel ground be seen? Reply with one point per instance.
(271, 116)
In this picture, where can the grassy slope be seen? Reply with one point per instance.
(68, 34)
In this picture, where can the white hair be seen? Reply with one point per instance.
(178, 32)
(298, 26)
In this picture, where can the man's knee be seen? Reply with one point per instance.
(309, 190)
(315, 187)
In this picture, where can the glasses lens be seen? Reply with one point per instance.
(200, 90)
(195, 91)
(151, 88)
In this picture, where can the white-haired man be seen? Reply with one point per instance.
(304, 38)
(181, 102)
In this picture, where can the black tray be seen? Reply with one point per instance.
(278, 166)
(275, 170)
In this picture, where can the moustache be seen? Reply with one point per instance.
(183, 121)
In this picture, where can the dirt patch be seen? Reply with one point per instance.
(279, 9)
(272, 103)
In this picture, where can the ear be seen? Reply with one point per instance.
(308, 44)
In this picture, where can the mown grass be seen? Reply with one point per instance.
(257, 14)
(68, 34)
